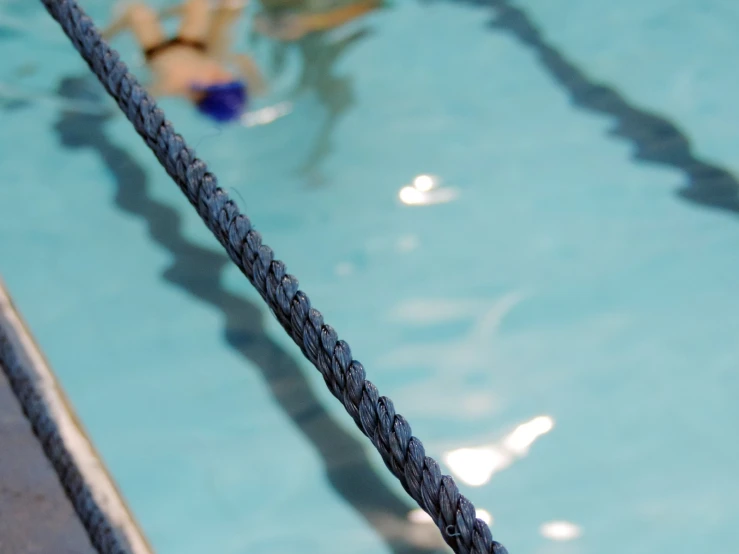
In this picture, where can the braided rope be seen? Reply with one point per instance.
(375, 415)
(97, 526)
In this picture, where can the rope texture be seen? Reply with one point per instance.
(375, 415)
(102, 535)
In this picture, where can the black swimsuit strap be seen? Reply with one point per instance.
(151, 53)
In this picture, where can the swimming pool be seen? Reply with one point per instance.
(558, 330)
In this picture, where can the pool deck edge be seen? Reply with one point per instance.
(55, 406)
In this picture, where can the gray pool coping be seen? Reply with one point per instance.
(36, 516)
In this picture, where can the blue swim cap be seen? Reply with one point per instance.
(224, 102)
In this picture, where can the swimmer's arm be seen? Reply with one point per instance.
(178, 9)
(117, 27)
(226, 14)
(250, 73)
(339, 16)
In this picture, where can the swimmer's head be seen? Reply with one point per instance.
(223, 102)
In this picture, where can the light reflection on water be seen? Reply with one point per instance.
(476, 466)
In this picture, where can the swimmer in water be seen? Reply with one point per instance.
(290, 20)
(195, 63)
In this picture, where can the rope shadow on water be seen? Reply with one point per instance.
(655, 138)
(197, 271)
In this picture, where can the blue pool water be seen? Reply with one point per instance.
(561, 332)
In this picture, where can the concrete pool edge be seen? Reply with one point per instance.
(45, 397)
